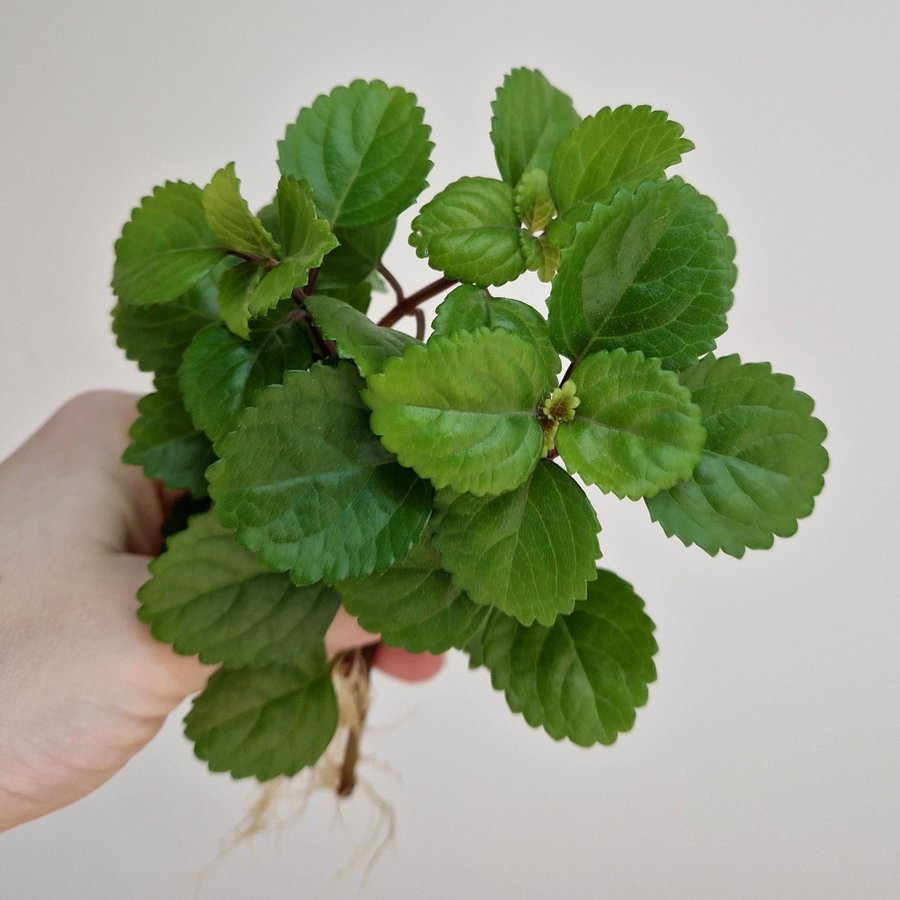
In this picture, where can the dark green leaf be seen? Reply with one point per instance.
(467, 307)
(221, 374)
(207, 596)
(358, 254)
(470, 231)
(761, 468)
(229, 217)
(356, 335)
(156, 336)
(359, 296)
(165, 442)
(615, 148)
(653, 271)
(530, 119)
(635, 431)
(461, 409)
(584, 676)
(166, 247)
(414, 604)
(263, 721)
(364, 150)
(308, 486)
(529, 552)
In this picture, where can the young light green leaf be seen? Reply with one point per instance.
(761, 468)
(582, 678)
(461, 410)
(279, 282)
(467, 308)
(470, 231)
(653, 271)
(263, 721)
(541, 257)
(155, 337)
(166, 247)
(307, 485)
(165, 442)
(356, 335)
(414, 604)
(208, 596)
(364, 149)
(635, 431)
(251, 289)
(529, 552)
(307, 240)
(530, 119)
(615, 148)
(306, 237)
(235, 289)
(534, 205)
(221, 374)
(230, 219)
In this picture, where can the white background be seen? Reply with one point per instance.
(766, 764)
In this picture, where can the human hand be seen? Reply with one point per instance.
(83, 685)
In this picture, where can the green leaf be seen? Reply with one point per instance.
(306, 238)
(470, 231)
(155, 337)
(583, 677)
(364, 150)
(761, 468)
(359, 296)
(529, 552)
(635, 431)
(359, 252)
(653, 271)
(263, 721)
(414, 604)
(530, 119)
(278, 283)
(307, 485)
(461, 410)
(534, 205)
(229, 216)
(166, 247)
(467, 308)
(251, 289)
(615, 148)
(235, 288)
(221, 374)
(356, 335)
(542, 257)
(165, 442)
(207, 596)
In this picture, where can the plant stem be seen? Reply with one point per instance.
(360, 658)
(388, 276)
(407, 305)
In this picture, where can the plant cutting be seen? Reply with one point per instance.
(435, 487)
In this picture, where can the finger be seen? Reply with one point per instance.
(407, 666)
(345, 633)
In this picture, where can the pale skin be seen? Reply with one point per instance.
(83, 685)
